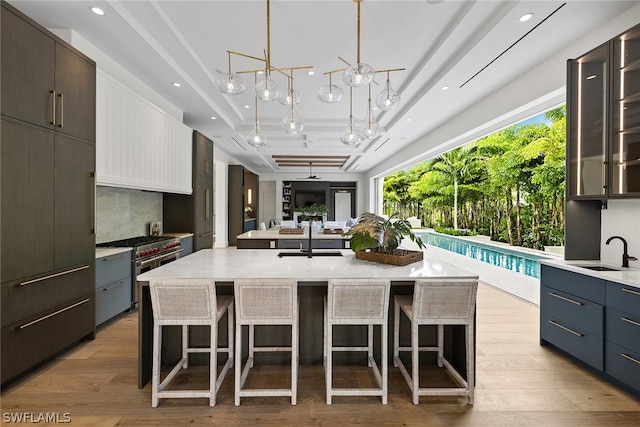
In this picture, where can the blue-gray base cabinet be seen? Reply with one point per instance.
(593, 321)
(113, 285)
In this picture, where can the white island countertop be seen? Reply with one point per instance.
(230, 264)
(275, 234)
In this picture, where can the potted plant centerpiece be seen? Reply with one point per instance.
(375, 238)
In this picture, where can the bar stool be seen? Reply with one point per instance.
(265, 302)
(188, 302)
(357, 302)
(437, 302)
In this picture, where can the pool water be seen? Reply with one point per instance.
(519, 262)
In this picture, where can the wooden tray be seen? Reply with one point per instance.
(333, 231)
(291, 231)
(399, 257)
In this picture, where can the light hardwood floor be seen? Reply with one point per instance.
(518, 383)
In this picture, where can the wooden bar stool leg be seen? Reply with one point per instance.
(415, 363)
(238, 365)
(440, 345)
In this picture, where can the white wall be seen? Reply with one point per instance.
(621, 218)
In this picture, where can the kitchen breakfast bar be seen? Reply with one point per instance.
(312, 274)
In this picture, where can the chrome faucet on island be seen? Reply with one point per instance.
(625, 255)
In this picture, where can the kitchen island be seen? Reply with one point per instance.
(226, 265)
(274, 239)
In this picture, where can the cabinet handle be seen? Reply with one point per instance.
(210, 233)
(206, 166)
(112, 257)
(120, 283)
(633, 322)
(630, 291)
(61, 96)
(53, 107)
(633, 359)
(207, 206)
(553, 294)
(564, 328)
(62, 273)
(55, 313)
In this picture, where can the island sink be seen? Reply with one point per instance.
(305, 254)
(598, 268)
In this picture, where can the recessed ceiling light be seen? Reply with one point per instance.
(214, 118)
(176, 84)
(526, 17)
(246, 106)
(445, 88)
(97, 11)
(311, 73)
(408, 120)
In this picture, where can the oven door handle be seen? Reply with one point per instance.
(150, 260)
(171, 254)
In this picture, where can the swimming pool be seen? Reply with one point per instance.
(528, 264)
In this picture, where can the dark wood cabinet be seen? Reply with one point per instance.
(194, 213)
(48, 195)
(243, 193)
(45, 82)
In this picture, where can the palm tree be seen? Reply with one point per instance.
(457, 165)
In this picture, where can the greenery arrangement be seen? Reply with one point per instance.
(311, 210)
(509, 185)
(374, 231)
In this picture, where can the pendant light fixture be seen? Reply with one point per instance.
(229, 83)
(292, 123)
(256, 138)
(358, 74)
(330, 93)
(371, 129)
(350, 136)
(291, 95)
(388, 99)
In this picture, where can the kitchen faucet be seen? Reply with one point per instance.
(625, 255)
(310, 253)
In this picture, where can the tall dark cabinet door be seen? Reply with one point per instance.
(27, 201)
(203, 161)
(74, 170)
(75, 83)
(27, 71)
(203, 214)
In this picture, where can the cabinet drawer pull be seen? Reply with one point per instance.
(210, 233)
(53, 107)
(112, 257)
(564, 328)
(631, 291)
(553, 294)
(55, 313)
(633, 359)
(62, 273)
(61, 96)
(207, 208)
(633, 322)
(120, 283)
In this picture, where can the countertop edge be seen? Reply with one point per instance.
(626, 276)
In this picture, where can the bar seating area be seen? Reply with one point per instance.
(355, 303)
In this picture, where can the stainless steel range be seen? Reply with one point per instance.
(149, 252)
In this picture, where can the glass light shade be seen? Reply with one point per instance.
(256, 138)
(292, 123)
(358, 75)
(330, 94)
(287, 97)
(388, 99)
(350, 136)
(370, 130)
(267, 89)
(229, 83)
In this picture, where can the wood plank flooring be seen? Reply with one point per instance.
(518, 383)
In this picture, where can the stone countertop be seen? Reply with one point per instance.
(626, 276)
(103, 252)
(274, 235)
(230, 264)
(178, 235)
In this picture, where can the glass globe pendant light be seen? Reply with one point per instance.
(330, 93)
(291, 123)
(388, 99)
(267, 89)
(229, 83)
(291, 95)
(256, 138)
(371, 129)
(358, 74)
(350, 136)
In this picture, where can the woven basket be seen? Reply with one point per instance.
(398, 257)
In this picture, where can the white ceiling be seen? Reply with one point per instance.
(473, 47)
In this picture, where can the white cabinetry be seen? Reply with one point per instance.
(138, 145)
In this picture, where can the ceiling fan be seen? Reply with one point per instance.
(311, 175)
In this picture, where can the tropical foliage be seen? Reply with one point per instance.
(384, 233)
(508, 185)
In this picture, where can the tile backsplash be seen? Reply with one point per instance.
(123, 213)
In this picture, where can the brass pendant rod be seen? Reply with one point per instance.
(389, 70)
(255, 100)
(291, 93)
(350, 110)
(369, 108)
(358, 37)
(334, 71)
(246, 56)
(268, 35)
